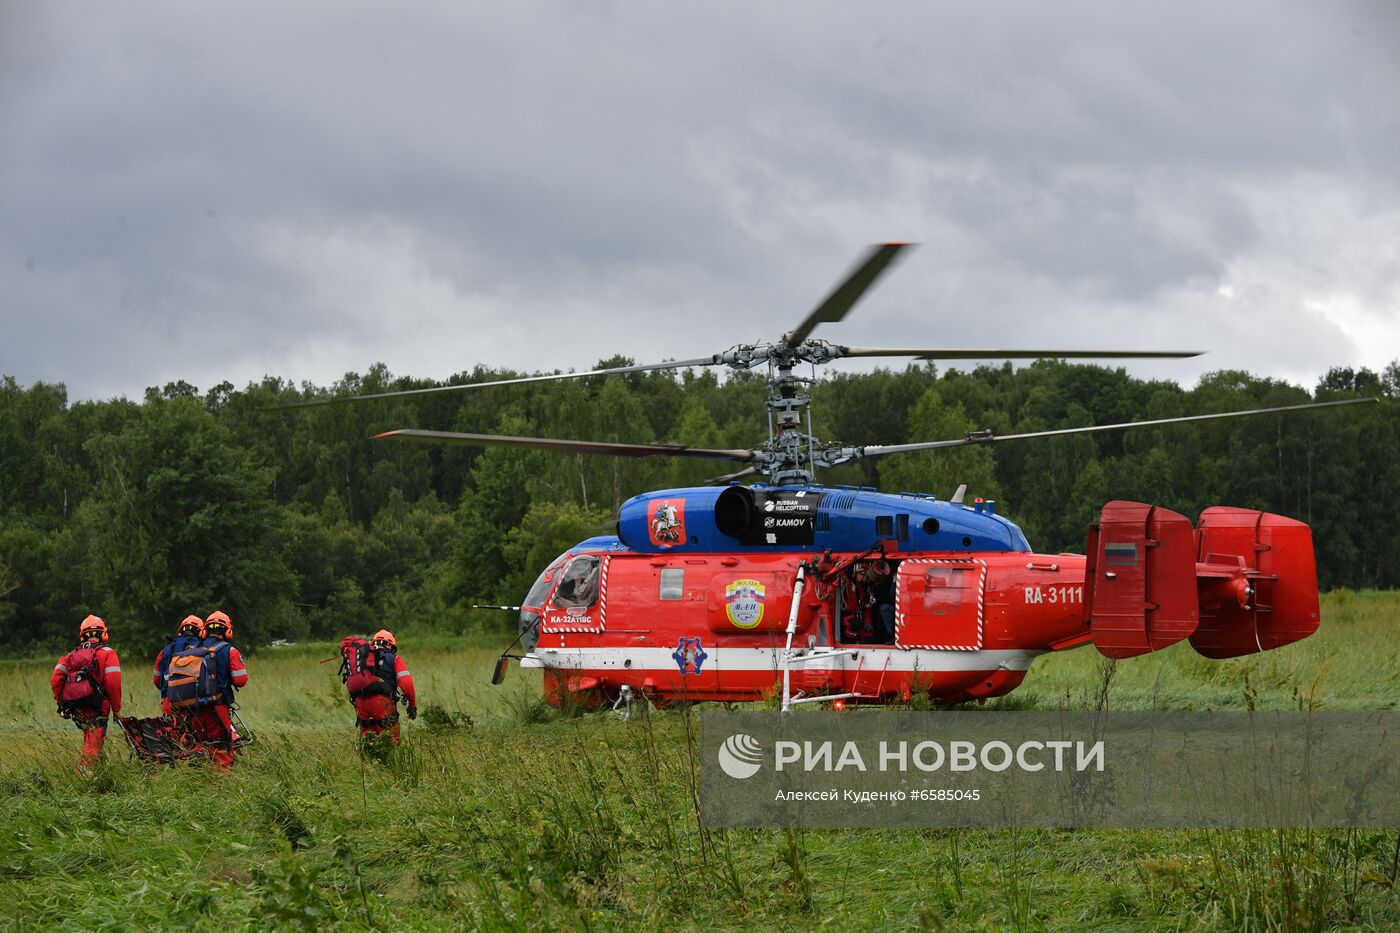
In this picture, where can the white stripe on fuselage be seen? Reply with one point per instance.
(867, 657)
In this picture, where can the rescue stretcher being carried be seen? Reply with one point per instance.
(166, 740)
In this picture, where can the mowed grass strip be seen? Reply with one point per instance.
(498, 813)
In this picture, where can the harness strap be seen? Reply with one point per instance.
(87, 722)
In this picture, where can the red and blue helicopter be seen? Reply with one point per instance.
(846, 594)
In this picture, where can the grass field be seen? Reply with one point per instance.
(501, 813)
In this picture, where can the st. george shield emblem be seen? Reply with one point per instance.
(744, 603)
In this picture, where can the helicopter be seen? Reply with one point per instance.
(839, 594)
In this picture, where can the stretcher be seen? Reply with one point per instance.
(166, 739)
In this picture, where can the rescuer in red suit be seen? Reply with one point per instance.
(87, 686)
(213, 724)
(379, 712)
(188, 634)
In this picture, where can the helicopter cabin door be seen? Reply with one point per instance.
(939, 604)
(580, 598)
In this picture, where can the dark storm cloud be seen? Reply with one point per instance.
(215, 193)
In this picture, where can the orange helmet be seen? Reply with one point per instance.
(190, 622)
(387, 637)
(92, 626)
(219, 619)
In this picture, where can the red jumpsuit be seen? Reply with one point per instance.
(377, 714)
(155, 679)
(94, 722)
(213, 725)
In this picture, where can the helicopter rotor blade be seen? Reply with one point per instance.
(728, 478)
(583, 447)
(987, 437)
(615, 370)
(844, 296)
(945, 353)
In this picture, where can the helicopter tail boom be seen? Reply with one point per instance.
(1242, 581)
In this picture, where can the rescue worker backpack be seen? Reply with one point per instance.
(177, 644)
(366, 670)
(198, 675)
(82, 684)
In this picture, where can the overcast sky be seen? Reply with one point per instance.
(210, 191)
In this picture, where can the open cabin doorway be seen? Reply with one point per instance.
(863, 603)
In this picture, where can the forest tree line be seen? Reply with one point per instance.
(300, 527)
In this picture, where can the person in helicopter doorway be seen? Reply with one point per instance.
(188, 634)
(882, 588)
(200, 689)
(375, 676)
(872, 620)
(87, 686)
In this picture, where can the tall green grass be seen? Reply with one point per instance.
(500, 813)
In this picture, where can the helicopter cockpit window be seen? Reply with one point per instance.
(672, 583)
(579, 586)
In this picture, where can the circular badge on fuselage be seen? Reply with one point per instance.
(743, 603)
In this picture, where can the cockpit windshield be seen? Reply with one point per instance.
(543, 583)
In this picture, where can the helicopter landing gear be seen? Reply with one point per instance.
(626, 700)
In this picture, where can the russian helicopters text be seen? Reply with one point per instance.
(734, 592)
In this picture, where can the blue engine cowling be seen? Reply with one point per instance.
(807, 518)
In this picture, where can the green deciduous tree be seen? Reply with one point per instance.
(940, 471)
(180, 521)
(545, 532)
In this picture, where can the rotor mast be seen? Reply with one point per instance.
(790, 445)
(791, 454)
